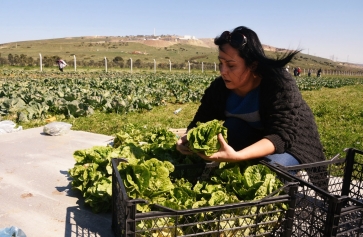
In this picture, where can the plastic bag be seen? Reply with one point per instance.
(7, 126)
(57, 128)
(12, 231)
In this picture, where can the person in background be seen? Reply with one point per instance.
(309, 72)
(61, 64)
(295, 71)
(319, 73)
(298, 71)
(260, 104)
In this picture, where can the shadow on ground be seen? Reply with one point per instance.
(80, 220)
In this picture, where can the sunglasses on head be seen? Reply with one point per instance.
(235, 39)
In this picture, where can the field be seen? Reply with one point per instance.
(103, 102)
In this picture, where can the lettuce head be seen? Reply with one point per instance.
(203, 138)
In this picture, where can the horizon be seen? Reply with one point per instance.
(329, 31)
(138, 35)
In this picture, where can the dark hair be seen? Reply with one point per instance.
(253, 52)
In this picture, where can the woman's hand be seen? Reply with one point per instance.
(181, 145)
(225, 154)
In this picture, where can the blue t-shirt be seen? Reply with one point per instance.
(245, 108)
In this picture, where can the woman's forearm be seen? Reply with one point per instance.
(259, 149)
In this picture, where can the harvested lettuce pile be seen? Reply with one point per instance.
(203, 138)
(91, 174)
(152, 156)
(150, 174)
(230, 183)
(153, 181)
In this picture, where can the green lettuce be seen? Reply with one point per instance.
(254, 182)
(203, 138)
(148, 180)
(149, 174)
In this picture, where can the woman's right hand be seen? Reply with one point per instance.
(182, 145)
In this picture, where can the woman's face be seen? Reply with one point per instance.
(236, 75)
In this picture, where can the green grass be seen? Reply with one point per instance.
(88, 48)
(111, 123)
(338, 114)
(162, 116)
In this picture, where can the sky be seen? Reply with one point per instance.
(328, 29)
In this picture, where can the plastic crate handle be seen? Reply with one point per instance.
(289, 184)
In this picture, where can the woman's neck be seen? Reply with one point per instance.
(243, 91)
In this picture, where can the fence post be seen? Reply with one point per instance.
(131, 64)
(105, 64)
(40, 62)
(169, 65)
(189, 67)
(75, 63)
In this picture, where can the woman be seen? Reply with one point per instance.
(61, 64)
(260, 104)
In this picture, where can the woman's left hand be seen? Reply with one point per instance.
(225, 154)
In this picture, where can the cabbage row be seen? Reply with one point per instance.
(111, 93)
(35, 95)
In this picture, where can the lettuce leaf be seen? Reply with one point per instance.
(203, 138)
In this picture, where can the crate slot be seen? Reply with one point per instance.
(332, 210)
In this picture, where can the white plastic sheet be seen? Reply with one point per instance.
(12, 231)
(57, 128)
(7, 126)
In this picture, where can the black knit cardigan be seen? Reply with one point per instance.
(287, 119)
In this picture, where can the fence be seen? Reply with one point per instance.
(131, 64)
(209, 66)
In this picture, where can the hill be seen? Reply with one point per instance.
(91, 51)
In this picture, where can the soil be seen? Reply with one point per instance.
(208, 43)
(203, 42)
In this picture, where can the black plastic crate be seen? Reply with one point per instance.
(330, 197)
(252, 218)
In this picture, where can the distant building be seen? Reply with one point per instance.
(187, 37)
